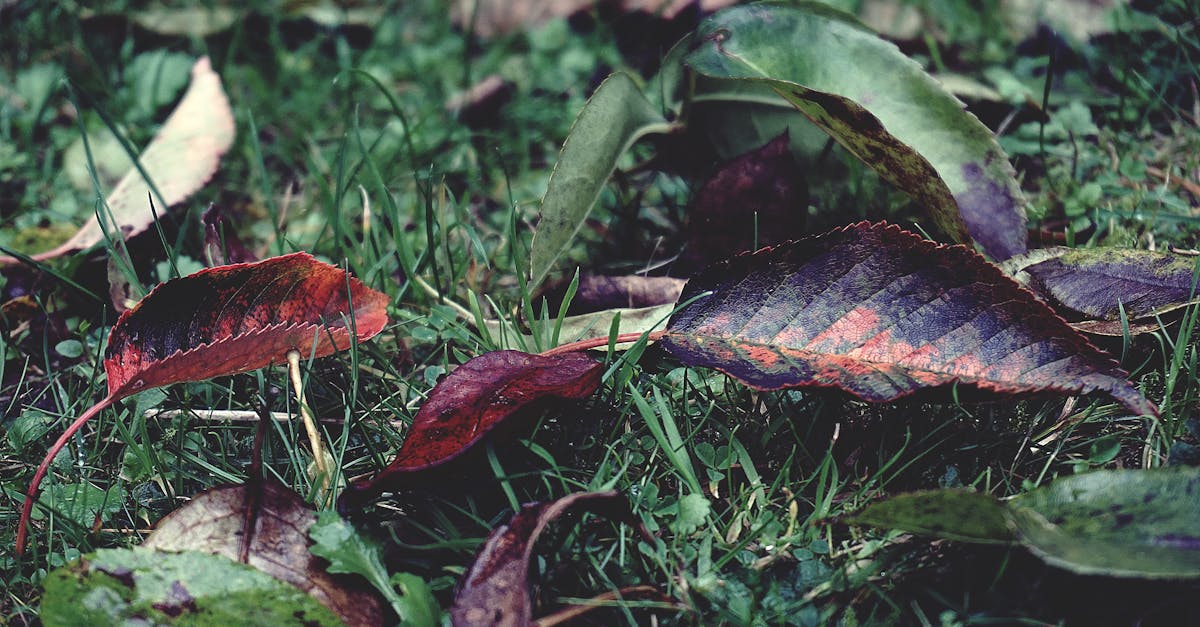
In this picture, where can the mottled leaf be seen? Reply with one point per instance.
(954, 514)
(882, 313)
(495, 591)
(596, 324)
(613, 119)
(880, 105)
(274, 542)
(226, 320)
(1125, 523)
(180, 160)
(757, 199)
(142, 586)
(472, 401)
(1095, 281)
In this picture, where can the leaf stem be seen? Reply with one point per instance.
(310, 425)
(597, 342)
(32, 494)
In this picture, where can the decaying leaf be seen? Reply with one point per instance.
(140, 586)
(625, 292)
(588, 326)
(226, 320)
(277, 543)
(881, 313)
(1097, 281)
(472, 401)
(757, 199)
(495, 591)
(182, 157)
(222, 246)
(880, 105)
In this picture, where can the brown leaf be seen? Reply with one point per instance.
(277, 543)
(471, 402)
(596, 293)
(881, 313)
(495, 591)
(756, 199)
(182, 157)
(226, 320)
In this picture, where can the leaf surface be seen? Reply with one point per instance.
(141, 586)
(475, 399)
(495, 591)
(181, 158)
(214, 522)
(963, 515)
(880, 105)
(1093, 281)
(1124, 523)
(231, 319)
(881, 313)
(613, 119)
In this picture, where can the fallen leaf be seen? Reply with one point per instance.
(495, 591)
(963, 515)
(139, 586)
(625, 292)
(471, 402)
(226, 320)
(182, 157)
(757, 199)
(222, 246)
(616, 115)
(588, 326)
(1097, 281)
(881, 313)
(880, 105)
(277, 544)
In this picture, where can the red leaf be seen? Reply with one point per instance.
(495, 591)
(232, 319)
(881, 313)
(223, 321)
(475, 399)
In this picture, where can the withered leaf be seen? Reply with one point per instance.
(1093, 281)
(881, 313)
(495, 591)
(215, 520)
(472, 401)
(756, 199)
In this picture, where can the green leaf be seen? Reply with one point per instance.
(615, 117)
(348, 552)
(143, 586)
(81, 503)
(693, 511)
(880, 105)
(1123, 523)
(963, 515)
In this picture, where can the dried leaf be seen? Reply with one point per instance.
(471, 402)
(182, 157)
(214, 522)
(882, 313)
(588, 326)
(625, 292)
(495, 591)
(757, 199)
(223, 321)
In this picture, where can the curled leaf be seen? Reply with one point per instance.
(880, 105)
(475, 399)
(1096, 282)
(881, 313)
(495, 591)
(276, 542)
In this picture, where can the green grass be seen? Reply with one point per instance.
(741, 486)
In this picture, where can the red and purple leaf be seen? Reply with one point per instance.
(882, 313)
(225, 320)
(495, 591)
(1093, 281)
(475, 399)
(232, 319)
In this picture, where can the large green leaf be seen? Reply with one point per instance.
(1129, 523)
(612, 120)
(880, 105)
